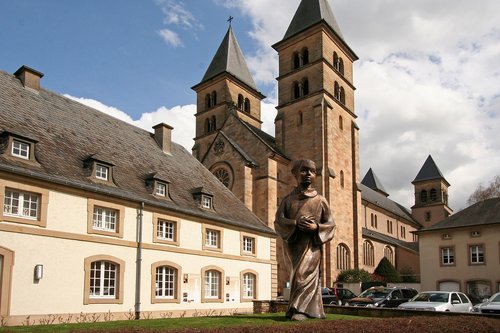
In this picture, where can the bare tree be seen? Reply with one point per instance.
(482, 193)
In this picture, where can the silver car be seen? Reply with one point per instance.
(492, 305)
(439, 301)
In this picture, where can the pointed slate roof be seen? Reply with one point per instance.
(429, 171)
(371, 180)
(309, 13)
(229, 58)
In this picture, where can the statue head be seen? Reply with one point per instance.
(305, 172)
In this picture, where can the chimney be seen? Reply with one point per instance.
(29, 77)
(163, 135)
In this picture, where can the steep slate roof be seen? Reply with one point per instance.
(371, 180)
(68, 133)
(309, 13)
(429, 171)
(382, 201)
(485, 212)
(229, 58)
(367, 233)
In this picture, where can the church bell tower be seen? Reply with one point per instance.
(316, 117)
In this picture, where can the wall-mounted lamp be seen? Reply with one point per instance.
(185, 278)
(38, 272)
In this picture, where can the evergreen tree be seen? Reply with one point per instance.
(387, 271)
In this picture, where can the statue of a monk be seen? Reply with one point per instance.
(304, 222)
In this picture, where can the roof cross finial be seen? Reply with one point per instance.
(230, 19)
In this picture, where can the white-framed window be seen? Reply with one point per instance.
(21, 149)
(165, 230)
(212, 284)
(447, 256)
(212, 238)
(21, 204)
(104, 219)
(248, 244)
(476, 254)
(160, 189)
(249, 285)
(103, 279)
(206, 201)
(101, 172)
(166, 282)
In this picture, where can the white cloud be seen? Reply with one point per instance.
(175, 14)
(171, 37)
(181, 118)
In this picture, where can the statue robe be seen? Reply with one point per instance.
(303, 250)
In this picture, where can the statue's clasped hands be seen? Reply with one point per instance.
(307, 223)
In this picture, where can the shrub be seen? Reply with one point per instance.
(354, 275)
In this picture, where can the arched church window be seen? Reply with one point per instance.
(305, 87)
(240, 101)
(335, 60)
(207, 126)
(342, 95)
(214, 98)
(342, 178)
(296, 60)
(247, 105)
(341, 123)
(343, 257)
(336, 91)
(305, 56)
(423, 196)
(341, 66)
(213, 124)
(433, 194)
(296, 90)
(224, 175)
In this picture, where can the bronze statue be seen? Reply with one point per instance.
(305, 223)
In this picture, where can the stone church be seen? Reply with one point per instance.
(316, 120)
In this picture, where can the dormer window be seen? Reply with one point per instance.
(160, 189)
(17, 147)
(99, 169)
(158, 185)
(203, 198)
(206, 201)
(21, 149)
(101, 172)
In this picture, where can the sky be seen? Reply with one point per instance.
(427, 79)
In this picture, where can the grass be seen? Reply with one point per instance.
(257, 320)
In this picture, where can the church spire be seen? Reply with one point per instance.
(309, 13)
(429, 171)
(229, 58)
(371, 180)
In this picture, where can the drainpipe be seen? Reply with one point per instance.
(138, 263)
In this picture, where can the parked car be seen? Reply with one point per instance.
(382, 297)
(492, 305)
(336, 296)
(439, 301)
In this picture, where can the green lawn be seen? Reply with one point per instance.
(173, 323)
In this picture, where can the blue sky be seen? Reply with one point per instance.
(428, 77)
